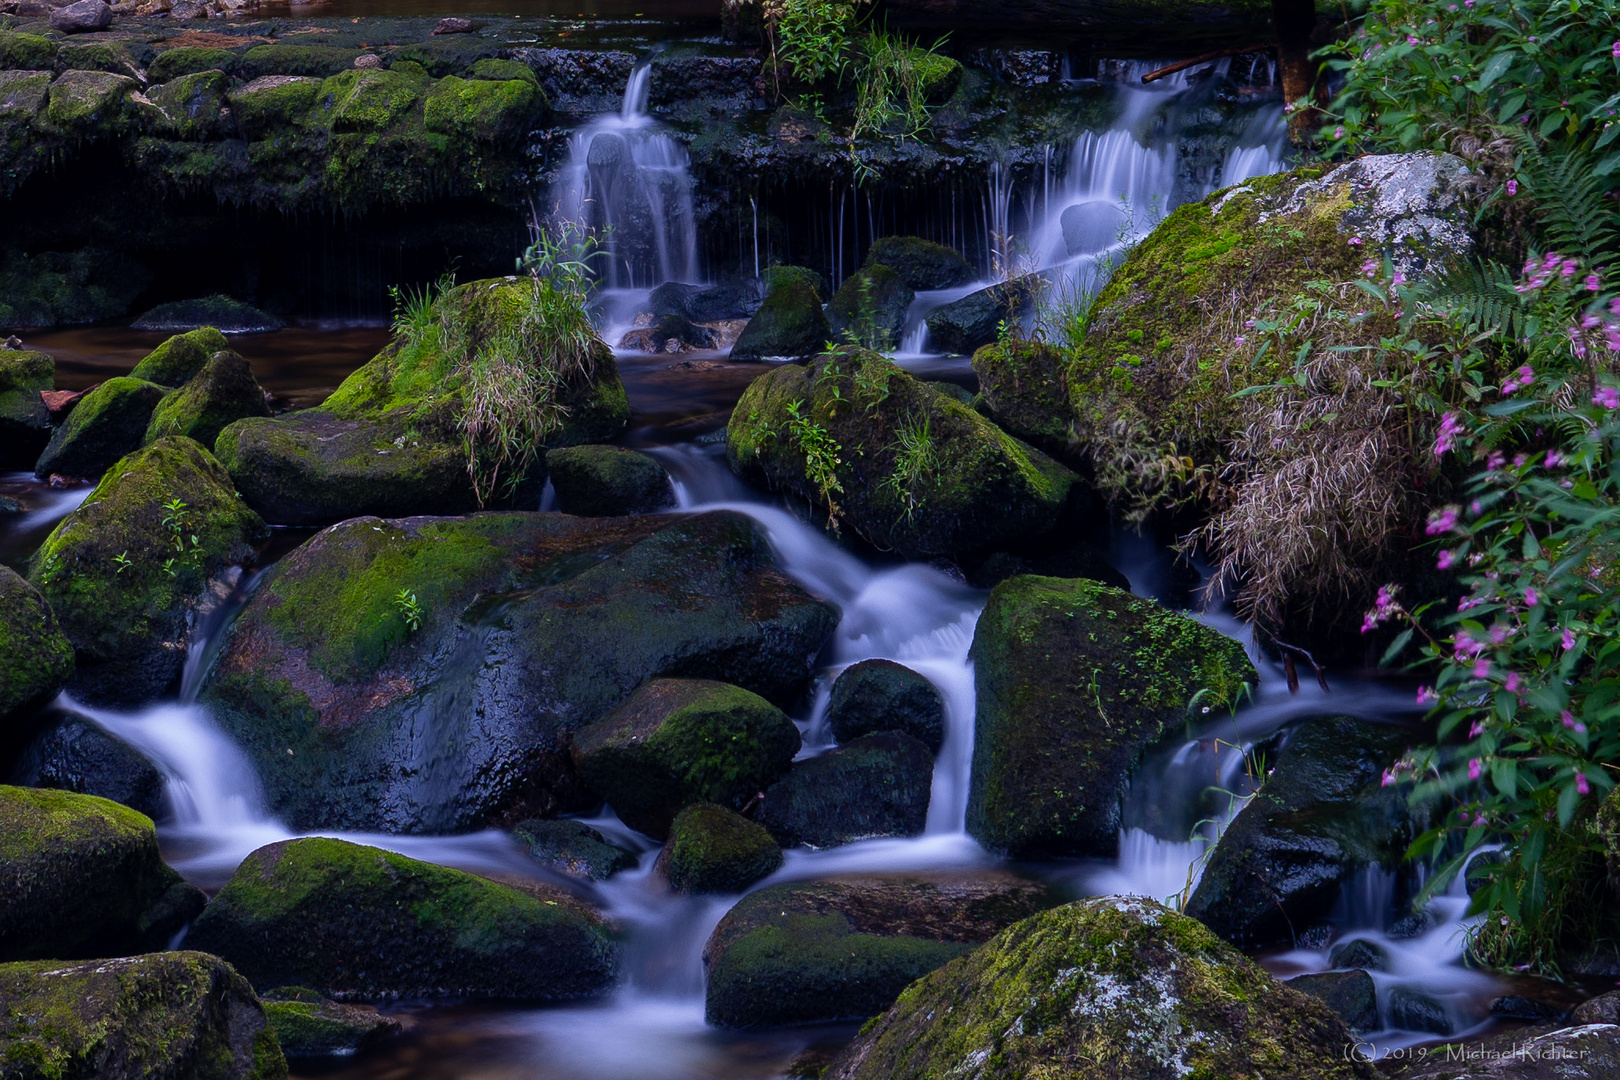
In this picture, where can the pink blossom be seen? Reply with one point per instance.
(1477, 729)
(1479, 821)
(1530, 597)
(1495, 460)
(1410, 40)
(1338, 132)
(1607, 396)
(1569, 639)
(1581, 785)
(1593, 283)
(1568, 718)
(1426, 695)
(1569, 267)
(1613, 51)
(1355, 241)
(1554, 459)
(1447, 557)
(1444, 521)
(1482, 668)
(1239, 341)
(1389, 778)
(1475, 767)
(1370, 267)
(1450, 427)
(1511, 685)
(1512, 187)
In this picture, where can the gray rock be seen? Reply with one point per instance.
(1351, 994)
(73, 754)
(975, 320)
(82, 17)
(1588, 1052)
(1360, 953)
(1603, 1009)
(1416, 1011)
(608, 481)
(881, 695)
(878, 785)
(574, 847)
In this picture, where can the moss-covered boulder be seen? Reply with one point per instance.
(319, 1028)
(485, 110)
(195, 107)
(36, 659)
(168, 1015)
(223, 392)
(71, 753)
(881, 695)
(921, 264)
(573, 847)
(775, 277)
(715, 850)
(125, 571)
(92, 104)
(27, 52)
(354, 921)
(106, 424)
(790, 322)
(870, 308)
(25, 422)
(291, 59)
(175, 362)
(907, 467)
(877, 785)
(82, 877)
(1025, 389)
(1322, 816)
(180, 60)
(1074, 681)
(675, 742)
(217, 312)
(1350, 994)
(843, 948)
(1116, 986)
(608, 481)
(526, 628)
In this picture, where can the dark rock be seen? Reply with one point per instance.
(877, 785)
(675, 742)
(196, 107)
(1359, 953)
(169, 1014)
(223, 392)
(776, 276)
(36, 659)
(921, 263)
(702, 303)
(1590, 1052)
(354, 921)
(81, 877)
(103, 427)
(73, 754)
(1514, 1007)
(574, 847)
(881, 695)
(977, 319)
(25, 420)
(178, 360)
(608, 481)
(1099, 989)
(455, 24)
(870, 308)
(715, 850)
(1351, 994)
(1075, 680)
(789, 323)
(81, 17)
(1026, 392)
(1412, 924)
(843, 948)
(326, 1028)
(1412, 1010)
(218, 311)
(1603, 1009)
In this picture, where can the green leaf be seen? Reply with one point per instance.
(1495, 68)
(1568, 799)
(1396, 646)
(1505, 776)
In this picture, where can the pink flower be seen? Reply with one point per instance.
(1479, 821)
(1338, 132)
(1569, 639)
(1444, 521)
(1525, 376)
(1450, 428)
(1581, 785)
(1569, 267)
(1475, 767)
(1593, 283)
(1607, 396)
(1370, 267)
(1426, 695)
(1512, 683)
(1410, 40)
(1495, 460)
(1355, 241)
(1530, 597)
(1477, 729)
(1512, 187)
(1239, 341)
(1614, 50)
(1554, 459)
(1389, 778)
(1445, 560)
(1482, 668)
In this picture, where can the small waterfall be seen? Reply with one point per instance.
(629, 181)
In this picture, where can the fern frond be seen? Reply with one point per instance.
(1577, 218)
(1479, 294)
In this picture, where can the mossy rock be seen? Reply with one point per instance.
(190, 60)
(36, 659)
(354, 921)
(875, 786)
(272, 102)
(218, 312)
(1350, 994)
(1116, 986)
(843, 948)
(675, 742)
(870, 307)
(608, 481)
(308, 1029)
(881, 695)
(176, 361)
(916, 471)
(502, 71)
(482, 110)
(789, 323)
(369, 100)
(921, 264)
(26, 52)
(92, 104)
(1024, 385)
(573, 847)
(531, 627)
(73, 754)
(317, 60)
(223, 392)
(776, 276)
(25, 422)
(82, 877)
(715, 850)
(113, 573)
(446, 54)
(194, 106)
(1075, 680)
(106, 424)
(1322, 816)
(168, 1014)
(979, 318)
(53, 288)
(95, 56)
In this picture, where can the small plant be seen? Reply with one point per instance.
(871, 382)
(415, 321)
(822, 456)
(410, 610)
(123, 561)
(914, 459)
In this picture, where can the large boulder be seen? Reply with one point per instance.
(1075, 680)
(881, 695)
(1581, 1052)
(321, 1028)
(1350, 994)
(223, 392)
(82, 877)
(608, 481)
(178, 359)
(715, 850)
(790, 322)
(906, 466)
(166, 1016)
(1322, 816)
(877, 785)
(921, 264)
(36, 659)
(127, 569)
(218, 312)
(353, 921)
(527, 627)
(25, 422)
(71, 753)
(1099, 989)
(675, 742)
(82, 16)
(106, 424)
(843, 948)
(573, 847)
(978, 318)
(1025, 389)
(870, 308)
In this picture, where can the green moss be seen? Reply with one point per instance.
(501, 70)
(189, 60)
(106, 424)
(174, 362)
(194, 105)
(714, 850)
(368, 100)
(789, 323)
(91, 103)
(36, 658)
(274, 102)
(775, 277)
(26, 52)
(1025, 388)
(921, 264)
(223, 392)
(318, 60)
(481, 110)
(606, 481)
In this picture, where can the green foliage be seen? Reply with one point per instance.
(813, 36)
(821, 457)
(913, 461)
(410, 610)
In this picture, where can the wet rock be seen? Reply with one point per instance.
(36, 659)
(177, 61)
(1115, 986)
(107, 424)
(907, 467)
(789, 323)
(1322, 815)
(870, 308)
(354, 921)
(881, 695)
(73, 754)
(1026, 392)
(608, 481)
(920, 263)
(1603, 1009)
(1588, 1052)
(168, 1014)
(1359, 953)
(1075, 680)
(219, 311)
(82, 877)
(574, 847)
(25, 421)
(113, 572)
(843, 948)
(497, 113)
(1092, 226)
(1413, 1010)
(714, 850)
(223, 392)
(196, 108)
(877, 785)
(81, 17)
(308, 1029)
(1514, 1007)
(531, 626)
(1351, 994)
(178, 360)
(702, 303)
(675, 742)
(978, 318)
(454, 25)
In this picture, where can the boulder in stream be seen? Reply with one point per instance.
(881, 695)
(36, 658)
(1024, 385)
(175, 362)
(921, 264)
(106, 424)
(223, 392)
(978, 318)
(876, 785)
(25, 422)
(1351, 994)
(715, 850)
(350, 921)
(608, 481)
(219, 312)
(573, 847)
(70, 753)
(870, 308)
(321, 1028)
(790, 322)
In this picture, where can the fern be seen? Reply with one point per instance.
(1576, 217)
(1480, 296)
